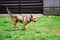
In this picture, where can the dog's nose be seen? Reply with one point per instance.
(34, 21)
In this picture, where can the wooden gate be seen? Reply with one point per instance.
(22, 6)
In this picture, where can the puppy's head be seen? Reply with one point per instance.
(33, 18)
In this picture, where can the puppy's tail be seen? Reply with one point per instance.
(8, 11)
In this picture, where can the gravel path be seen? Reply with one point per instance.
(37, 15)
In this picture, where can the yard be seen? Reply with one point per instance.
(46, 28)
(52, 11)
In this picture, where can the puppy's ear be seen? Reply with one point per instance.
(31, 15)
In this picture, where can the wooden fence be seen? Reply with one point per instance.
(22, 6)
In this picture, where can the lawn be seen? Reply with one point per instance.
(46, 28)
(51, 11)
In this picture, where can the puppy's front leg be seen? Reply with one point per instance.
(25, 26)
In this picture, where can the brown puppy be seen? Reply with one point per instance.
(23, 19)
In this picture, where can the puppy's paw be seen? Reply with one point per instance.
(16, 28)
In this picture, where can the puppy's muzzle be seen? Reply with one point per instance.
(36, 20)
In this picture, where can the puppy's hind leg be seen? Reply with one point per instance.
(15, 22)
(15, 25)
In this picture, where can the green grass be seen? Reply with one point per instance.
(46, 28)
(52, 11)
